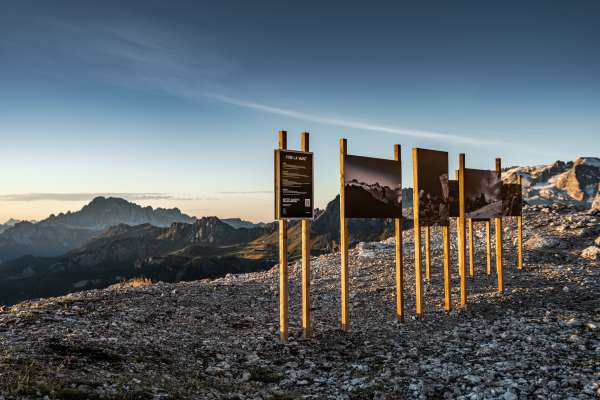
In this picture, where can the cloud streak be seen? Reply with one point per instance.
(247, 192)
(161, 61)
(83, 196)
(350, 124)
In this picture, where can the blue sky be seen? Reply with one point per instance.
(178, 103)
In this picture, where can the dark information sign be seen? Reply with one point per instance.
(293, 185)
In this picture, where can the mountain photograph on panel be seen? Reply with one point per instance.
(450, 189)
(512, 200)
(373, 187)
(432, 172)
(483, 194)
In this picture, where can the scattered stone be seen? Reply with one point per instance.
(218, 339)
(591, 253)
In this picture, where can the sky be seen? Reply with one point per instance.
(178, 104)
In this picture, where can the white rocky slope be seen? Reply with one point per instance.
(575, 182)
(219, 339)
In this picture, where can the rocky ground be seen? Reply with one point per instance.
(219, 339)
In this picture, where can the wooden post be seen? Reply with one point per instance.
(520, 228)
(427, 254)
(488, 246)
(399, 266)
(499, 271)
(446, 238)
(471, 249)
(283, 263)
(417, 233)
(461, 229)
(304, 146)
(343, 239)
(457, 177)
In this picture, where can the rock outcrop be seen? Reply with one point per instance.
(576, 183)
(218, 339)
(61, 233)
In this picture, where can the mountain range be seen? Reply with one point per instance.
(573, 182)
(111, 240)
(184, 250)
(60, 233)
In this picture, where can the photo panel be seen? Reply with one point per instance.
(512, 200)
(432, 173)
(451, 194)
(372, 187)
(483, 194)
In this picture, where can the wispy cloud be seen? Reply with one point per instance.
(147, 59)
(247, 192)
(350, 123)
(83, 196)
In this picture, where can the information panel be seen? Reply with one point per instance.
(293, 185)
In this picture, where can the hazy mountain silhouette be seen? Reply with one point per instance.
(60, 233)
(208, 247)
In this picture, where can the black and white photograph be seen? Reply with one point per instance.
(512, 200)
(451, 194)
(432, 173)
(483, 194)
(373, 187)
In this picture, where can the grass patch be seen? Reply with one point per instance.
(83, 351)
(265, 375)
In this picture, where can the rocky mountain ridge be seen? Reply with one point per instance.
(61, 233)
(124, 252)
(209, 247)
(574, 182)
(218, 339)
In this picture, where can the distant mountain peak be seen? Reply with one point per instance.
(103, 212)
(60, 233)
(573, 182)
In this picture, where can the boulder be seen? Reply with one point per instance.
(539, 242)
(591, 253)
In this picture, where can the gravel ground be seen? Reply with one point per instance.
(219, 339)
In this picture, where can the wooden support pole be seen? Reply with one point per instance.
(457, 177)
(520, 228)
(446, 238)
(427, 253)
(283, 263)
(499, 271)
(488, 246)
(417, 233)
(399, 266)
(306, 329)
(471, 249)
(343, 239)
(461, 230)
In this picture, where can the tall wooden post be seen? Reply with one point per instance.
(488, 247)
(427, 254)
(446, 238)
(343, 239)
(399, 266)
(304, 146)
(520, 228)
(457, 177)
(499, 271)
(283, 263)
(471, 249)
(461, 230)
(417, 233)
